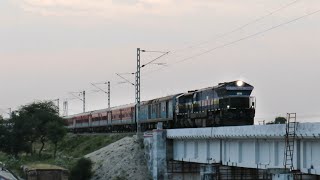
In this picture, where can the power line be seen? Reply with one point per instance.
(99, 89)
(247, 37)
(126, 80)
(238, 40)
(240, 27)
(102, 90)
(165, 53)
(83, 99)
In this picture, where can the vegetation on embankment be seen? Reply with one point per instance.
(70, 149)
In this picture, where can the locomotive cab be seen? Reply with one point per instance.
(235, 103)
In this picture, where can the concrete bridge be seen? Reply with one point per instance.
(259, 147)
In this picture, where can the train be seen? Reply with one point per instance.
(227, 104)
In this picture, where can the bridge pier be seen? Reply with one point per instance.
(209, 172)
(282, 176)
(159, 163)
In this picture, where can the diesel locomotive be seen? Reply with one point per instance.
(227, 104)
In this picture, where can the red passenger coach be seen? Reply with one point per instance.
(116, 116)
(127, 113)
(81, 121)
(95, 119)
(122, 118)
(122, 114)
(117, 119)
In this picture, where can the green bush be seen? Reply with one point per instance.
(82, 170)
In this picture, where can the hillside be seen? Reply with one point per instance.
(120, 160)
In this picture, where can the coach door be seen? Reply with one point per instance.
(167, 109)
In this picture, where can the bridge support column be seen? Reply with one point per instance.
(159, 154)
(281, 174)
(282, 177)
(208, 172)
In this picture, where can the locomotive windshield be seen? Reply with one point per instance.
(235, 102)
(239, 102)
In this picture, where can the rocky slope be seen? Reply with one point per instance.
(121, 160)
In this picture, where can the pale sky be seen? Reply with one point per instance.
(51, 47)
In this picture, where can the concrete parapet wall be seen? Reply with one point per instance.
(304, 130)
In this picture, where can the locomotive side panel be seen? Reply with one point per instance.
(143, 113)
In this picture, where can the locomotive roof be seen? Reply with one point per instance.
(220, 85)
(76, 115)
(101, 110)
(164, 98)
(232, 83)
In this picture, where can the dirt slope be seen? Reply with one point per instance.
(121, 160)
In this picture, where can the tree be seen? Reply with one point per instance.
(24, 127)
(280, 120)
(82, 170)
(56, 132)
(3, 135)
(30, 123)
(39, 115)
(13, 139)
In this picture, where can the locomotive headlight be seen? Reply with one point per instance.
(228, 106)
(240, 83)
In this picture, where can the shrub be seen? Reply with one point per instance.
(82, 170)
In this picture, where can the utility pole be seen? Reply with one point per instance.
(83, 93)
(102, 90)
(84, 100)
(109, 95)
(65, 108)
(137, 84)
(58, 104)
(138, 92)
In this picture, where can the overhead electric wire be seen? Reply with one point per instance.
(240, 27)
(249, 36)
(125, 79)
(232, 31)
(71, 99)
(165, 53)
(126, 73)
(238, 40)
(100, 89)
(72, 93)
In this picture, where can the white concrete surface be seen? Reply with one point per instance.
(304, 130)
(260, 146)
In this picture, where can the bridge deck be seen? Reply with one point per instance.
(260, 146)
